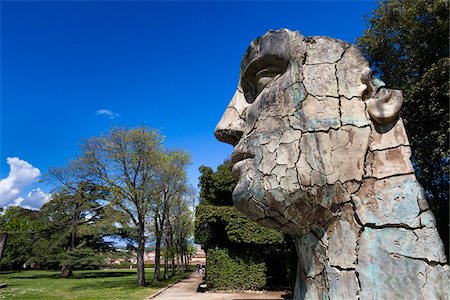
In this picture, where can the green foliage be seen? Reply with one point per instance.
(222, 225)
(226, 272)
(216, 188)
(23, 227)
(76, 223)
(405, 38)
(407, 43)
(140, 178)
(82, 258)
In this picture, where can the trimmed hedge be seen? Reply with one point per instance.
(220, 225)
(242, 254)
(233, 273)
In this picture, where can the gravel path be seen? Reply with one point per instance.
(186, 289)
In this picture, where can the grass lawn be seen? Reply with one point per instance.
(98, 284)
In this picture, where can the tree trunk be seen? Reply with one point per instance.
(182, 261)
(157, 256)
(187, 262)
(173, 263)
(140, 255)
(172, 251)
(183, 252)
(3, 238)
(66, 271)
(166, 261)
(178, 264)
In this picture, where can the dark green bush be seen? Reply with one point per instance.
(245, 245)
(222, 225)
(228, 272)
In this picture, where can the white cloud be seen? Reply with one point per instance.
(106, 112)
(34, 200)
(21, 174)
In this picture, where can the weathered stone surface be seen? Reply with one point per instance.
(318, 157)
(237, 103)
(291, 99)
(342, 240)
(320, 80)
(304, 171)
(290, 136)
(267, 163)
(322, 155)
(319, 114)
(322, 49)
(436, 283)
(391, 201)
(395, 257)
(348, 72)
(390, 162)
(381, 275)
(311, 265)
(289, 181)
(327, 154)
(351, 169)
(353, 112)
(352, 186)
(330, 194)
(419, 243)
(427, 219)
(385, 137)
(286, 154)
(343, 284)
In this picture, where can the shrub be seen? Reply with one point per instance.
(222, 225)
(228, 272)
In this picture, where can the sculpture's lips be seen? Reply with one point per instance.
(239, 162)
(239, 156)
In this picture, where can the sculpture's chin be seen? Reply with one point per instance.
(241, 195)
(295, 213)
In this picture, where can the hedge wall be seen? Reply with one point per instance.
(242, 254)
(217, 226)
(233, 273)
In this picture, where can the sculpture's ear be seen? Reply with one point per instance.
(383, 104)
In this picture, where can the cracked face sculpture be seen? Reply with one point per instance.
(322, 155)
(301, 122)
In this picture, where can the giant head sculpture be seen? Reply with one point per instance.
(301, 123)
(321, 153)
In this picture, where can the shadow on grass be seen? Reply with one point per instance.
(7, 272)
(81, 275)
(76, 275)
(24, 275)
(127, 283)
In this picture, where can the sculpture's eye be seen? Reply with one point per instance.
(264, 77)
(259, 74)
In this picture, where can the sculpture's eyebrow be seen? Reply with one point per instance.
(272, 44)
(269, 61)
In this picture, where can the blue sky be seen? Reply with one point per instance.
(170, 65)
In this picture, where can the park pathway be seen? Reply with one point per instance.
(186, 289)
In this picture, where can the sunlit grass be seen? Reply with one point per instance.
(99, 284)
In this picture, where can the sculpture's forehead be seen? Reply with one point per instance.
(273, 43)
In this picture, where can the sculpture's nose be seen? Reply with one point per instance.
(232, 124)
